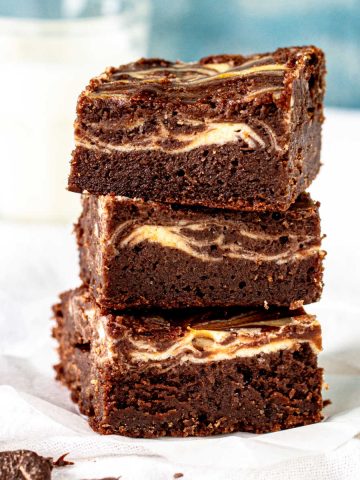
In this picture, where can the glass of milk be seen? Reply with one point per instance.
(47, 59)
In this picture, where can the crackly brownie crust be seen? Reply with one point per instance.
(189, 372)
(227, 132)
(139, 254)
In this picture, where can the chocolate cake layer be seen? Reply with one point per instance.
(137, 254)
(227, 132)
(189, 372)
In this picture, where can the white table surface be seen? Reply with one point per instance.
(39, 260)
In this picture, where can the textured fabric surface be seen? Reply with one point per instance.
(39, 261)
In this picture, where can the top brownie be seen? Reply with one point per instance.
(227, 132)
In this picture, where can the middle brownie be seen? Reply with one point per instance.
(135, 253)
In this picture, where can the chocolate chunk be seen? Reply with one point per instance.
(24, 465)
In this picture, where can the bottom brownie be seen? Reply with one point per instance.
(183, 373)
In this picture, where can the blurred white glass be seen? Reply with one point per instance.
(45, 64)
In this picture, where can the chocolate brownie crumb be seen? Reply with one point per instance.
(61, 462)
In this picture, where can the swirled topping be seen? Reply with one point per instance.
(211, 239)
(202, 335)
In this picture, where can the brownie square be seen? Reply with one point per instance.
(230, 131)
(144, 254)
(189, 372)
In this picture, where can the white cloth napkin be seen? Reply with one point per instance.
(39, 261)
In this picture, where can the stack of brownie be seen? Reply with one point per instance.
(198, 247)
